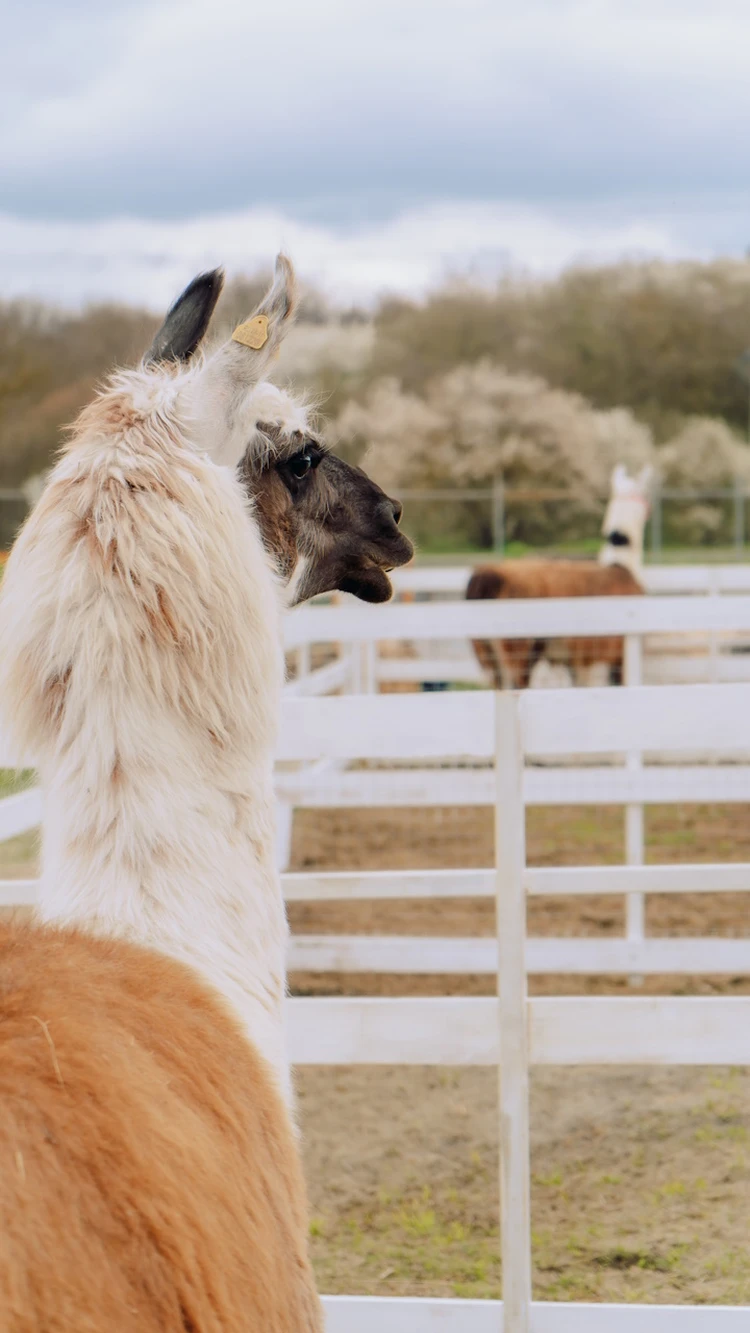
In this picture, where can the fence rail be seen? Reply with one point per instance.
(517, 619)
(460, 1031)
(451, 580)
(367, 1314)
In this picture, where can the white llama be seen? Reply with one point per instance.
(625, 518)
(141, 668)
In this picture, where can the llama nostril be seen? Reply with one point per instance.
(388, 515)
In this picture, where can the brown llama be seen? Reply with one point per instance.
(150, 1178)
(510, 663)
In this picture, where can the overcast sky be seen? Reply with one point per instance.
(386, 143)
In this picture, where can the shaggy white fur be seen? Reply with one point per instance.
(141, 668)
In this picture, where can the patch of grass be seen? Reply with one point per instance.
(13, 780)
(554, 1179)
(17, 855)
(409, 1243)
(620, 1258)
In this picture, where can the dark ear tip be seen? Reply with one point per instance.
(208, 286)
(187, 320)
(214, 279)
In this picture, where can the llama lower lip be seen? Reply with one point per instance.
(370, 585)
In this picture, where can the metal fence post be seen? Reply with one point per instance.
(656, 519)
(498, 515)
(738, 490)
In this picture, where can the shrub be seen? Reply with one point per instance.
(477, 424)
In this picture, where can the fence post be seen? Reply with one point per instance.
(356, 660)
(498, 515)
(656, 518)
(343, 651)
(369, 675)
(635, 914)
(738, 490)
(303, 662)
(510, 860)
(284, 829)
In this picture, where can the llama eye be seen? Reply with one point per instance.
(300, 465)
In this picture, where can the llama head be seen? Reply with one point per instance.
(326, 524)
(625, 518)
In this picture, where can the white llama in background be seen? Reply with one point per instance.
(625, 519)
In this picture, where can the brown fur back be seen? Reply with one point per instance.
(486, 582)
(513, 660)
(149, 1175)
(553, 578)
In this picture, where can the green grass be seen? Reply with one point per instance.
(409, 1242)
(17, 854)
(13, 780)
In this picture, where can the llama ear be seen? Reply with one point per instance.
(186, 323)
(620, 479)
(279, 305)
(254, 341)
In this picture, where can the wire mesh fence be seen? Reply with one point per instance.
(500, 518)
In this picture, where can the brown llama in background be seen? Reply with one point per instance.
(510, 663)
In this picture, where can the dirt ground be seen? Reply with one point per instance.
(641, 1178)
(640, 1182)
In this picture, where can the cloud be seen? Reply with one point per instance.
(385, 144)
(180, 107)
(147, 262)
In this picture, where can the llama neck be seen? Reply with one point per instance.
(623, 528)
(164, 859)
(628, 556)
(153, 630)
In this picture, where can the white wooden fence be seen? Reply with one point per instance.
(540, 618)
(687, 640)
(679, 660)
(514, 1032)
(701, 620)
(519, 1032)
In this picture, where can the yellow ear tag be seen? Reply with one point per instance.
(253, 333)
